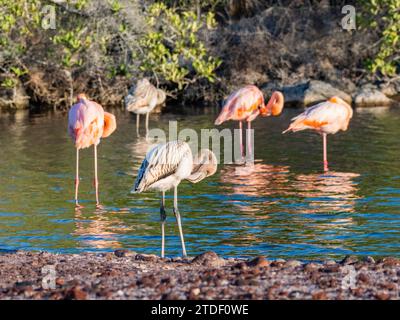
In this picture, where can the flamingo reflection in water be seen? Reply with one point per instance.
(100, 230)
(254, 181)
(313, 204)
(336, 192)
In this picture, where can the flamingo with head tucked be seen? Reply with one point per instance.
(326, 118)
(164, 167)
(143, 100)
(246, 104)
(87, 124)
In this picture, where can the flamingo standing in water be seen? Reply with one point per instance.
(143, 100)
(326, 118)
(164, 167)
(87, 124)
(246, 104)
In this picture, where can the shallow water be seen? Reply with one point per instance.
(282, 207)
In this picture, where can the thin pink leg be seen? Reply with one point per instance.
(96, 180)
(77, 178)
(241, 139)
(326, 169)
(249, 142)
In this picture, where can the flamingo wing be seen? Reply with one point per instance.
(318, 116)
(86, 123)
(142, 96)
(160, 162)
(241, 104)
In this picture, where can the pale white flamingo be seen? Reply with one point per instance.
(143, 100)
(87, 124)
(246, 104)
(326, 118)
(164, 167)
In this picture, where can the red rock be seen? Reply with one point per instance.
(363, 278)
(77, 293)
(382, 296)
(320, 295)
(390, 262)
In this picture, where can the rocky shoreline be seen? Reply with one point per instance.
(128, 275)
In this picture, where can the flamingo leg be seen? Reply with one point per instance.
(249, 142)
(77, 177)
(178, 220)
(147, 122)
(163, 216)
(96, 180)
(137, 123)
(325, 142)
(241, 139)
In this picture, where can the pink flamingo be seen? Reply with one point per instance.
(326, 118)
(87, 124)
(246, 104)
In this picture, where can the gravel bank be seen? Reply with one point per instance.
(127, 275)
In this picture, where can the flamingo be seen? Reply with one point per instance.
(143, 100)
(326, 118)
(246, 104)
(87, 124)
(164, 167)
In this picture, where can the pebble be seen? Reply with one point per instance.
(368, 259)
(121, 253)
(146, 257)
(390, 262)
(77, 293)
(382, 296)
(293, 264)
(363, 278)
(86, 276)
(260, 261)
(349, 260)
(320, 295)
(209, 259)
(310, 267)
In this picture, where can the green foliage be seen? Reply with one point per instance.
(194, 4)
(166, 42)
(115, 6)
(18, 18)
(9, 83)
(78, 4)
(384, 17)
(73, 43)
(172, 49)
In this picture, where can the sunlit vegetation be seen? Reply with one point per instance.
(172, 50)
(383, 17)
(52, 49)
(106, 41)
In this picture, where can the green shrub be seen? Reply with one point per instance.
(383, 16)
(171, 50)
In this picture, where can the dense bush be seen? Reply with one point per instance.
(384, 17)
(102, 46)
(98, 46)
(171, 48)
